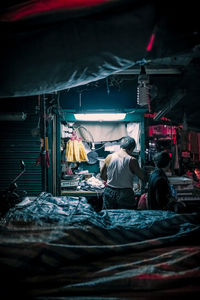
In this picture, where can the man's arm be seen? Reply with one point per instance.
(103, 171)
(135, 168)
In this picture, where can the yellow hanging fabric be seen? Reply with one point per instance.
(83, 155)
(70, 151)
(75, 151)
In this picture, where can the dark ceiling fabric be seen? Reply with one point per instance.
(41, 58)
(55, 51)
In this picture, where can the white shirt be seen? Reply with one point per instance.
(119, 174)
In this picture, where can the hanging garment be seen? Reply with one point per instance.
(75, 151)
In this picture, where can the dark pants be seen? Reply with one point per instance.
(114, 198)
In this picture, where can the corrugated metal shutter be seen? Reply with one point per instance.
(17, 143)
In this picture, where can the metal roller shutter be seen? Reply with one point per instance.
(17, 143)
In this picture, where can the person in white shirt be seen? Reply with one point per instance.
(118, 171)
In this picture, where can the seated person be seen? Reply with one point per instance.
(159, 195)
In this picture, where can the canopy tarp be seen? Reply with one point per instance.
(48, 46)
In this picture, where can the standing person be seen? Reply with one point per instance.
(159, 196)
(118, 171)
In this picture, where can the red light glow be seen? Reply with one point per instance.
(36, 7)
(151, 41)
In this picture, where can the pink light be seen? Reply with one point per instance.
(151, 41)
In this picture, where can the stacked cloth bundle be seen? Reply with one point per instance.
(75, 151)
(92, 184)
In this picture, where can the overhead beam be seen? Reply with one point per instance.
(173, 101)
(151, 71)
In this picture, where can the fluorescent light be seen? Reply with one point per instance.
(100, 117)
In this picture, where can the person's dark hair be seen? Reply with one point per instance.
(127, 143)
(162, 159)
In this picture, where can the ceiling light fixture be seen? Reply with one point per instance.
(143, 88)
(100, 117)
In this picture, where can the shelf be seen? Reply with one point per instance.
(81, 193)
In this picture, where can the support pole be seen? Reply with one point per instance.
(43, 131)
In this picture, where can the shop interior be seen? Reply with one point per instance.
(80, 125)
(82, 176)
(77, 77)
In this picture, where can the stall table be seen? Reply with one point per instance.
(83, 193)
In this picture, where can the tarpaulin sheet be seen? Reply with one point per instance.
(60, 246)
(55, 51)
(49, 46)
